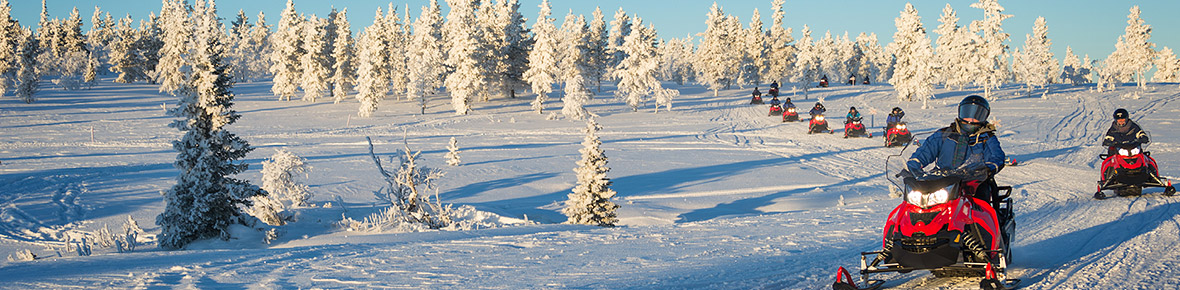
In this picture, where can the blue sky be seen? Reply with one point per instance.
(1089, 26)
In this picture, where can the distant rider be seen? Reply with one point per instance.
(817, 110)
(969, 140)
(1123, 130)
(853, 114)
(788, 104)
(894, 118)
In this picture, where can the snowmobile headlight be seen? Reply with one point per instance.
(1135, 151)
(914, 198)
(819, 118)
(939, 197)
(792, 110)
(901, 126)
(1124, 152)
(856, 122)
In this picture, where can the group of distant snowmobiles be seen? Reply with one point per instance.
(896, 133)
(954, 219)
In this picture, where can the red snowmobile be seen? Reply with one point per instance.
(1129, 171)
(941, 227)
(853, 128)
(818, 125)
(775, 110)
(756, 100)
(790, 115)
(898, 135)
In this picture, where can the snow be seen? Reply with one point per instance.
(713, 195)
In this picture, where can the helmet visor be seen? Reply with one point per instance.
(973, 111)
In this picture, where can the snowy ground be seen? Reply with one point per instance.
(714, 194)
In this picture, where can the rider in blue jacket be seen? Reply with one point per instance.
(970, 140)
(817, 110)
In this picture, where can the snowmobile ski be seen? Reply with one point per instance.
(844, 282)
(991, 282)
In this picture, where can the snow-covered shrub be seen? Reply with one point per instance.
(278, 177)
(22, 255)
(589, 203)
(453, 152)
(408, 189)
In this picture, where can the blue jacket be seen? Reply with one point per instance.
(894, 118)
(817, 111)
(852, 115)
(940, 148)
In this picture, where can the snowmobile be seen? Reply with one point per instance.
(818, 125)
(775, 110)
(823, 83)
(756, 100)
(1129, 171)
(898, 135)
(773, 92)
(853, 128)
(790, 115)
(942, 228)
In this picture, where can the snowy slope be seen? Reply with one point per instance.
(714, 194)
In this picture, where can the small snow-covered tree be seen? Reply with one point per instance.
(408, 188)
(1036, 64)
(205, 199)
(589, 203)
(372, 78)
(1133, 52)
(991, 54)
(426, 55)
(912, 76)
(1072, 70)
(620, 28)
(27, 78)
(464, 36)
(286, 51)
(1167, 66)
(315, 62)
(576, 96)
(172, 71)
(543, 58)
(807, 62)
(278, 178)
(781, 52)
(453, 152)
(343, 56)
(597, 49)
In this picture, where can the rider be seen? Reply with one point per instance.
(852, 115)
(969, 140)
(1123, 130)
(894, 118)
(788, 104)
(817, 110)
(774, 102)
(757, 93)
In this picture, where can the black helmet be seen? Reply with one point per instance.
(852, 108)
(896, 109)
(1121, 114)
(974, 107)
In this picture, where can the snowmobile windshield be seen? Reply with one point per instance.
(973, 111)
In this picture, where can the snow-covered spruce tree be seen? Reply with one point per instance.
(543, 58)
(395, 36)
(286, 50)
(716, 61)
(467, 79)
(1133, 52)
(453, 152)
(278, 178)
(1167, 66)
(205, 200)
(372, 80)
(781, 46)
(955, 44)
(637, 73)
(27, 78)
(426, 55)
(1072, 70)
(510, 40)
(149, 45)
(239, 33)
(344, 56)
(991, 55)
(807, 62)
(597, 54)
(99, 36)
(589, 203)
(851, 55)
(573, 47)
(67, 56)
(125, 58)
(314, 60)
(754, 52)
(829, 61)
(676, 60)
(1036, 66)
(878, 64)
(577, 94)
(10, 42)
(172, 71)
(256, 50)
(620, 28)
(913, 76)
